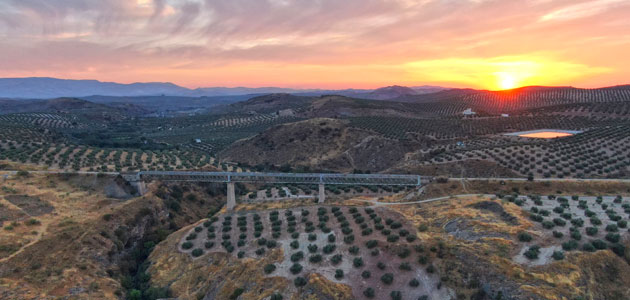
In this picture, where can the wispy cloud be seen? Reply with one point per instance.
(207, 42)
(582, 10)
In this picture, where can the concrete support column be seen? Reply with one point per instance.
(322, 193)
(231, 197)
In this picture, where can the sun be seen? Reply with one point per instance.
(506, 81)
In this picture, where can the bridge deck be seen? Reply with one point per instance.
(298, 178)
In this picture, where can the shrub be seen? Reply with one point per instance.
(387, 278)
(559, 222)
(299, 281)
(269, 268)
(405, 266)
(366, 274)
(396, 295)
(570, 245)
(187, 245)
(315, 258)
(369, 293)
(392, 238)
(612, 228)
(613, 237)
(371, 244)
(618, 249)
(331, 238)
(588, 247)
(414, 283)
(524, 237)
(336, 259)
(357, 262)
(295, 257)
(295, 268)
(294, 244)
(276, 296)
(197, 252)
(330, 248)
(599, 244)
(423, 259)
(339, 274)
(558, 255)
(591, 230)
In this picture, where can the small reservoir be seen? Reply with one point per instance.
(544, 133)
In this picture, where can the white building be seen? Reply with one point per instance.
(469, 112)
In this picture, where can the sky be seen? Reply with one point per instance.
(488, 44)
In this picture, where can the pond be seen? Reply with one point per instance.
(544, 133)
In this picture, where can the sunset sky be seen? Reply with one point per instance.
(320, 43)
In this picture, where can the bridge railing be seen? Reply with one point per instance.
(297, 178)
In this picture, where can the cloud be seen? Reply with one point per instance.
(295, 38)
(582, 10)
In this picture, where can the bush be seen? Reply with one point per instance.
(558, 255)
(599, 244)
(591, 231)
(276, 296)
(570, 245)
(295, 268)
(299, 281)
(387, 278)
(336, 259)
(331, 238)
(315, 258)
(357, 262)
(338, 274)
(197, 252)
(405, 266)
(295, 244)
(612, 228)
(396, 295)
(524, 237)
(618, 249)
(369, 293)
(613, 237)
(414, 283)
(269, 268)
(187, 245)
(295, 257)
(588, 247)
(423, 259)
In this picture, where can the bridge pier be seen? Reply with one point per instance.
(231, 197)
(322, 193)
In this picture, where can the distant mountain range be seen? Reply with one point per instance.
(46, 88)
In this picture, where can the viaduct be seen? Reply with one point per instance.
(138, 180)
